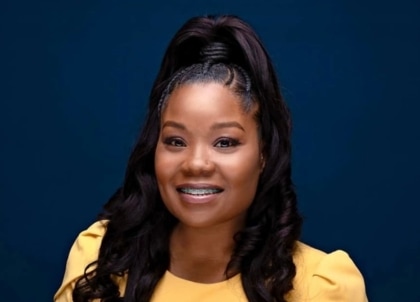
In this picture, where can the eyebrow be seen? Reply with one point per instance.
(213, 127)
(227, 125)
(173, 124)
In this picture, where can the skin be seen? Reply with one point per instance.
(206, 142)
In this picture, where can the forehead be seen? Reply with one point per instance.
(204, 99)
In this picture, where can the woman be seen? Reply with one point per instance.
(207, 211)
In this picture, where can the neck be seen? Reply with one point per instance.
(201, 255)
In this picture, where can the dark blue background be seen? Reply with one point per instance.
(75, 78)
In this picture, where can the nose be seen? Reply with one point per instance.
(198, 162)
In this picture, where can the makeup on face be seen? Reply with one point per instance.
(208, 157)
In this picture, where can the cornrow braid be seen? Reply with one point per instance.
(170, 87)
(211, 72)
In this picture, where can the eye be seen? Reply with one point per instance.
(174, 142)
(226, 143)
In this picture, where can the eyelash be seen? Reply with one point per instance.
(174, 142)
(178, 143)
(230, 141)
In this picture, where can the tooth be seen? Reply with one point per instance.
(193, 191)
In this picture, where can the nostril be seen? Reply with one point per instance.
(198, 166)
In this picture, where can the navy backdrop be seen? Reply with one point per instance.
(75, 77)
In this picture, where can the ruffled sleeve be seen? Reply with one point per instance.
(83, 252)
(336, 278)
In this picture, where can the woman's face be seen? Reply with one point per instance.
(208, 156)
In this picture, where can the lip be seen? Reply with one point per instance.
(198, 186)
(198, 199)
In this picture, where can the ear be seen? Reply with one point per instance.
(262, 162)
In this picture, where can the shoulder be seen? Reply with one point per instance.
(324, 276)
(84, 251)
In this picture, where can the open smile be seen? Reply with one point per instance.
(199, 191)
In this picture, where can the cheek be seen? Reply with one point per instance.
(167, 166)
(244, 171)
(161, 165)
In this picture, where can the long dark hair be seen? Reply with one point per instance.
(136, 243)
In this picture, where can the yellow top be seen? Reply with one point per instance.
(319, 277)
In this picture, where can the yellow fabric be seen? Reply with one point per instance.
(320, 277)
